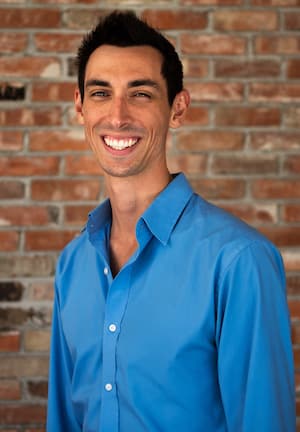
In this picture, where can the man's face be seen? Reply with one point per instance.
(125, 110)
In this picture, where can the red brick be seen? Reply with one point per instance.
(27, 215)
(29, 18)
(293, 284)
(247, 116)
(292, 164)
(192, 43)
(82, 164)
(9, 341)
(37, 340)
(47, 240)
(244, 20)
(65, 2)
(38, 389)
(25, 166)
(22, 414)
(42, 429)
(293, 69)
(82, 18)
(297, 412)
(11, 140)
(274, 2)
(31, 116)
(197, 116)
(219, 188)
(252, 214)
(209, 140)
(11, 291)
(291, 260)
(57, 42)
(49, 140)
(215, 92)
(10, 390)
(178, 19)
(53, 92)
(190, 164)
(21, 316)
(291, 213)
(277, 44)
(296, 335)
(294, 307)
(194, 67)
(210, 2)
(282, 236)
(292, 21)
(65, 190)
(9, 241)
(71, 116)
(26, 266)
(247, 69)
(30, 67)
(276, 189)
(269, 141)
(291, 117)
(297, 381)
(13, 42)
(269, 92)
(77, 214)
(245, 164)
(40, 290)
(11, 190)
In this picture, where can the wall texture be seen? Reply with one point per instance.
(240, 148)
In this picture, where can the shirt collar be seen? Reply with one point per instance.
(160, 217)
(99, 217)
(164, 212)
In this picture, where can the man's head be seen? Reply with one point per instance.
(125, 29)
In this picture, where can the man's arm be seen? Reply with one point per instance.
(60, 417)
(255, 363)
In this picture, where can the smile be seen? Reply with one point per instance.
(119, 144)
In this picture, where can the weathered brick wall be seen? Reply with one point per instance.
(240, 148)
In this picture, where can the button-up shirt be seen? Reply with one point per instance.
(192, 335)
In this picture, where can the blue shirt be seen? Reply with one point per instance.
(192, 335)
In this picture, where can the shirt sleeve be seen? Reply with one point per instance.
(255, 361)
(60, 416)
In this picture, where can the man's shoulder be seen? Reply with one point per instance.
(208, 221)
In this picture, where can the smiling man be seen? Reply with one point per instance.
(169, 314)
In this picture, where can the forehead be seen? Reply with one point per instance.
(109, 62)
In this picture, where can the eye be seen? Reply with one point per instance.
(142, 95)
(100, 93)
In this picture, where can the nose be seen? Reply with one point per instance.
(118, 114)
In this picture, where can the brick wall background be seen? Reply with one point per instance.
(240, 148)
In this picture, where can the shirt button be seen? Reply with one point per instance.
(108, 387)
(112, 328)
(105, 271)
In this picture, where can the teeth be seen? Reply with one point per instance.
(119, 144)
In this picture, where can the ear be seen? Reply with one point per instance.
(179, 109)
(78, 106)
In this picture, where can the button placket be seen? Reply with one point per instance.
(116, 302)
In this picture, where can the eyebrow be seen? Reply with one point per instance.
(135, 83)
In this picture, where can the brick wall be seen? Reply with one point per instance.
(240, 148)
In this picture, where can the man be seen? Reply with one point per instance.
(170, 314)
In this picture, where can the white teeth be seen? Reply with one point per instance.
(120, 144)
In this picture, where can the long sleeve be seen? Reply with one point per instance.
(61, 416)
(253, 338)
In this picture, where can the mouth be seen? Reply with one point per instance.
(119, 143)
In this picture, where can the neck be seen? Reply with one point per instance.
(130, 197)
